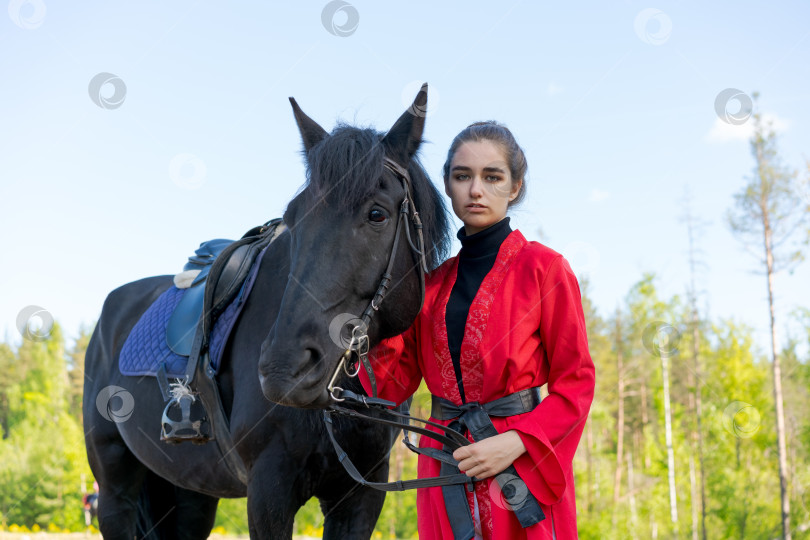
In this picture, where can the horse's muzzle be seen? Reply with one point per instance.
(294, 378)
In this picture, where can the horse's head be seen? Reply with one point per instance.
(343, 227)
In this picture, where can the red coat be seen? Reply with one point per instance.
(525, 328)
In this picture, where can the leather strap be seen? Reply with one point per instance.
(515, 492)
(450, 438)
(407, 208)
(516, 403)
(455, 501)
(476, 418)
(199, 370)
(263, 236)
(208, 392)
(400, 485)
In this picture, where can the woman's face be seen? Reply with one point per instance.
(480, 185)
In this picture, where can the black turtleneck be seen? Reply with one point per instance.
(475, 260)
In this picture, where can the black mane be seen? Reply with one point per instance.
(345, 169)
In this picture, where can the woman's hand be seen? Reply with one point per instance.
(489, 457)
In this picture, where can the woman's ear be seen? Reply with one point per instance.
(515, 189)
(446, 188)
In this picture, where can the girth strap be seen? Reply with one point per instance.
(199, 372)
(476, 418)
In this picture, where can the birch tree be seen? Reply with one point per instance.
(694, 377)
(661, 339)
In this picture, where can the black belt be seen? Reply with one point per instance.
(517, 403)
(475, 417)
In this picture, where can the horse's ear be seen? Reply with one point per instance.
(405, 136)
(311, 132)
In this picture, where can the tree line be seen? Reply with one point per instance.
(694, 431)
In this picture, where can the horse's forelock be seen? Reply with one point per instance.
(344, 170)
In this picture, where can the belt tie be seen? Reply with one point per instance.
(475, 417)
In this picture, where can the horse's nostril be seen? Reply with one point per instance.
(307, 363)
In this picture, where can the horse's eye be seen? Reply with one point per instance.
(377, 216)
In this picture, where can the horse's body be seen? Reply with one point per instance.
(171, 491)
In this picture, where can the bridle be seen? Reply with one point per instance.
(359, 347)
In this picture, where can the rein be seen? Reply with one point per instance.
(359, 347)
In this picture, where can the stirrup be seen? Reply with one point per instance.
(197, 431)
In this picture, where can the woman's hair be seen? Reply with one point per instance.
(499, 134)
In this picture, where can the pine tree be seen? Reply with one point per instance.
(769, 214)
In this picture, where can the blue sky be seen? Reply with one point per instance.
(614, 103)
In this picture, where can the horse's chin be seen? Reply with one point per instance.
(293, 395)
(321, 401)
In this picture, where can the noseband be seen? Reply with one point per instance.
(359, 345)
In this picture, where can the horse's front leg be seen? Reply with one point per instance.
(277, 488)
(193, 513)
(351, 510)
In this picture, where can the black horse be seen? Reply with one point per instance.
(328, 263)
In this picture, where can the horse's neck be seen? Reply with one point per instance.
(257, 319)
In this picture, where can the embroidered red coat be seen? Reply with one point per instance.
(525, 328)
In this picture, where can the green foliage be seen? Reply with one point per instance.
(232, 516)
(75, 367)
(738, 435)
(737, 424)
(43, 466)
(42, 458)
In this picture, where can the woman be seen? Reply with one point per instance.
(499, 320)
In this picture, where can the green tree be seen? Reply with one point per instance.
(797, 428)
(594, 463)
(42, 454)
(232, 516)
(8, 381)
(75, 371)
(740, 487)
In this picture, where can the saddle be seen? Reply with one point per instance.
(183, 321)
(218, 278)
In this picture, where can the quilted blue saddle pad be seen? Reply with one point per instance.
(146, 346)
